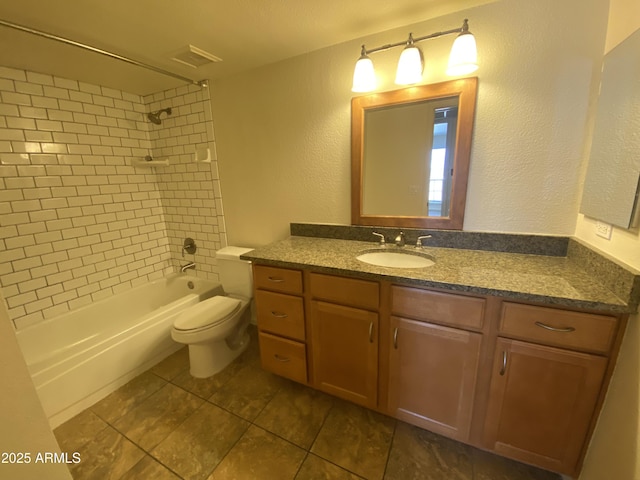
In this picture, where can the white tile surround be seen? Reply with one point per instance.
(78, 222)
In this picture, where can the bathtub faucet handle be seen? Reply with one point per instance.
(188, 246)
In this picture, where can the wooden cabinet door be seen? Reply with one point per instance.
(541, 403)
(345, 352)
(432, 376)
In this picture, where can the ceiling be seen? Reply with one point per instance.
(245, 34)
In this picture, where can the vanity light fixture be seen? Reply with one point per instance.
(463, 59)
(410, 64)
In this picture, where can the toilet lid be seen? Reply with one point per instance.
(207, 313)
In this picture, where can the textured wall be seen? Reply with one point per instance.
(282, 135)
(614, 451)
(283, 130)
(23, 422)
(624, 19)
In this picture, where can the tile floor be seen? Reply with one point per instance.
(245, 423)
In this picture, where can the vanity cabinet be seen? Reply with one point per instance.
(547, 376)
(433, 376)
(433, 368)
(344, 336)
(345, 352)
(524, 381)
(281, 321)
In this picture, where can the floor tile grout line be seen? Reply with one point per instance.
(230, 449)
(306, 455)
(324, 421)
(204, 401)
(393, 436)
(147, 454)
(208, 401)
(309, 452)
(89, 439)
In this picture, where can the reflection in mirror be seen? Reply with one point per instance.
(423, 135)
(410, 155)
(613, 175)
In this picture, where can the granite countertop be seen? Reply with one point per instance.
(551, 280)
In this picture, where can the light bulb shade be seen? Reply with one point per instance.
(364, 77)
(410, 66)
(464, 56)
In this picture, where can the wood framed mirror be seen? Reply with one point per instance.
(410, 152)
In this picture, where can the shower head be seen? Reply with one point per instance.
(155, 116)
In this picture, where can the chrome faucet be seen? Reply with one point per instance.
(419, 240)
(400, 240)
(186, 267)
(381, 237)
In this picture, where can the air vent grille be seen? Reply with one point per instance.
(194, 57)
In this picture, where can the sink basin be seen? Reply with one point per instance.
(396, 259)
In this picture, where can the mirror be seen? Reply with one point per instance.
(613, 175)
(410, 152)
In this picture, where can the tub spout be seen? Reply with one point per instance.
(186, 267)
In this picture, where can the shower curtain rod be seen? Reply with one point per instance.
(32, 31)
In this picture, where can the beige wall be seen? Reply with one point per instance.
(624, 19)
(283, 130)
(23, 423)
(614, 449)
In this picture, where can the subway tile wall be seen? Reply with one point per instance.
(189, 186)
(78, 222)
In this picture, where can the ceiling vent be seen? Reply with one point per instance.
(194, 57)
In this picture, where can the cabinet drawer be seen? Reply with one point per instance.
(346, 291)
(283, 357)
(277, 279)
(280, 314)
(446, 308)
(563, 328)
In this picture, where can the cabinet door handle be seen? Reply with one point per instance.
(370, 332)
(395, 338)
(556, 329)
(280, 358)
(279, 314)
(503, 369)
(275, 279)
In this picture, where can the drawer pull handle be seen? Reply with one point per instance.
(503, 369)
(395, 338)
(276, 279)
(280, 358)
(370, 332)
(279, 315)
(555, 329)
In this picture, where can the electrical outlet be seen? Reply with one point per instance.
(603, 230)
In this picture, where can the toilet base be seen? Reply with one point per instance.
(207, 359)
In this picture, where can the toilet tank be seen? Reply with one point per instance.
(235, 274)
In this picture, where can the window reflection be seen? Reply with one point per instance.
(442, 154)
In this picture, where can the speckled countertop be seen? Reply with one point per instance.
(554, 280)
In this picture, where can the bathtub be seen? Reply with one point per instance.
(78, 358)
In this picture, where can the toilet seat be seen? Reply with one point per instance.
(206, 314)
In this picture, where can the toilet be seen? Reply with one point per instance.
(216, 329)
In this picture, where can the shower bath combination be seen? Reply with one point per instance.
(154, 117)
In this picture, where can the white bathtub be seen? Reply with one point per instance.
(80, 357)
